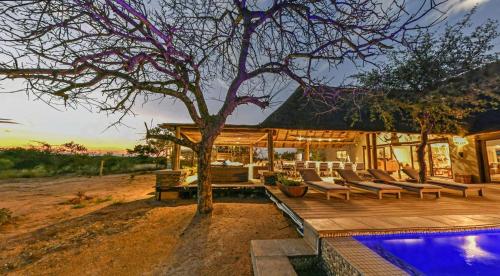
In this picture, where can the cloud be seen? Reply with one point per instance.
(463, 5)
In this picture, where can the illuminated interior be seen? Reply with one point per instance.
(493, 155)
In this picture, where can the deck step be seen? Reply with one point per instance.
(270, 257)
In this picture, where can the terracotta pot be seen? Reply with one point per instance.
(293, 191)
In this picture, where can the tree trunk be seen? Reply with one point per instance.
(205, 204)
(424, 138)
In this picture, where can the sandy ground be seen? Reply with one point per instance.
(123, 231)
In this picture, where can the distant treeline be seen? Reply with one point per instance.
(44, 161)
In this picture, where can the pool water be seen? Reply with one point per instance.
(457, 253)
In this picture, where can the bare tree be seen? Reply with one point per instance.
(116, 53)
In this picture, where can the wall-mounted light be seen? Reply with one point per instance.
(460, 142)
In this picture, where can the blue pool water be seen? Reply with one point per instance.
(459, 253)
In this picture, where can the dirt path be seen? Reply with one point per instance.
(129, 233)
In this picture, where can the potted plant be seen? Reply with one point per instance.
(291, 188)
(269, 178)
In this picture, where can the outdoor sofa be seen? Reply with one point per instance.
(314, 181)
(409, 186)
(449, 184)
(379, 188)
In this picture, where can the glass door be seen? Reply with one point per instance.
(493, 156)
(441, 162)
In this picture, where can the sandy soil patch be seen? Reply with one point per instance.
(123, 231)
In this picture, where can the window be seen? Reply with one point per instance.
(342, 155)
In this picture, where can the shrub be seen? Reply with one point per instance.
(6, 164)
(5, 216)
(288, 182)
(32, 162)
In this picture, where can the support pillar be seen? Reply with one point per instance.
(431, 164)
(368, 151)
(177, 151)
(374, 150)
(250, 154)
(307, 151)
(270, 150)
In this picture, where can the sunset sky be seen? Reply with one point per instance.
(37, 121)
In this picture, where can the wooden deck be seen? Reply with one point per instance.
(364, 212)
(362, 204)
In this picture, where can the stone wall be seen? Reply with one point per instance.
(334, 263)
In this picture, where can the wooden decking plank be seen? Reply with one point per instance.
(364, 211)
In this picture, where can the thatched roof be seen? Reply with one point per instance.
(301, 111)
(488, 121)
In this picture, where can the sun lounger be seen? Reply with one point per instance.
(449, 184)
(313, 180)
(323, 168)
(354, 180)
(409, 186)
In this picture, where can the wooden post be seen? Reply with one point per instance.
(411, 157)
(270, 150)
(250, 153)
(101, 168)
(385, 159)
(368, 152)
(482, 160)
(177, 151)
(307, 151)
(374, 148)
(431, 164)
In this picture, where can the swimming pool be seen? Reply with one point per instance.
(457, 253)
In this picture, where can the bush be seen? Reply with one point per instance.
(6, 164)
(32, 162)
(5, 216)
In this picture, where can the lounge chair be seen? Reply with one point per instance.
(299, 165)
(354, 180)
(313, 180)
(324, 170)
(409, 186)
(449, 184)
(311, 165)
(335, 166)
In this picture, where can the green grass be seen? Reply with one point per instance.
(102, 200)
(78, 206)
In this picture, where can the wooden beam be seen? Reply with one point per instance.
(177, 151)
(374, 152)
(368, 151)
(261, 138)
(319, 142)
(270, 150)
